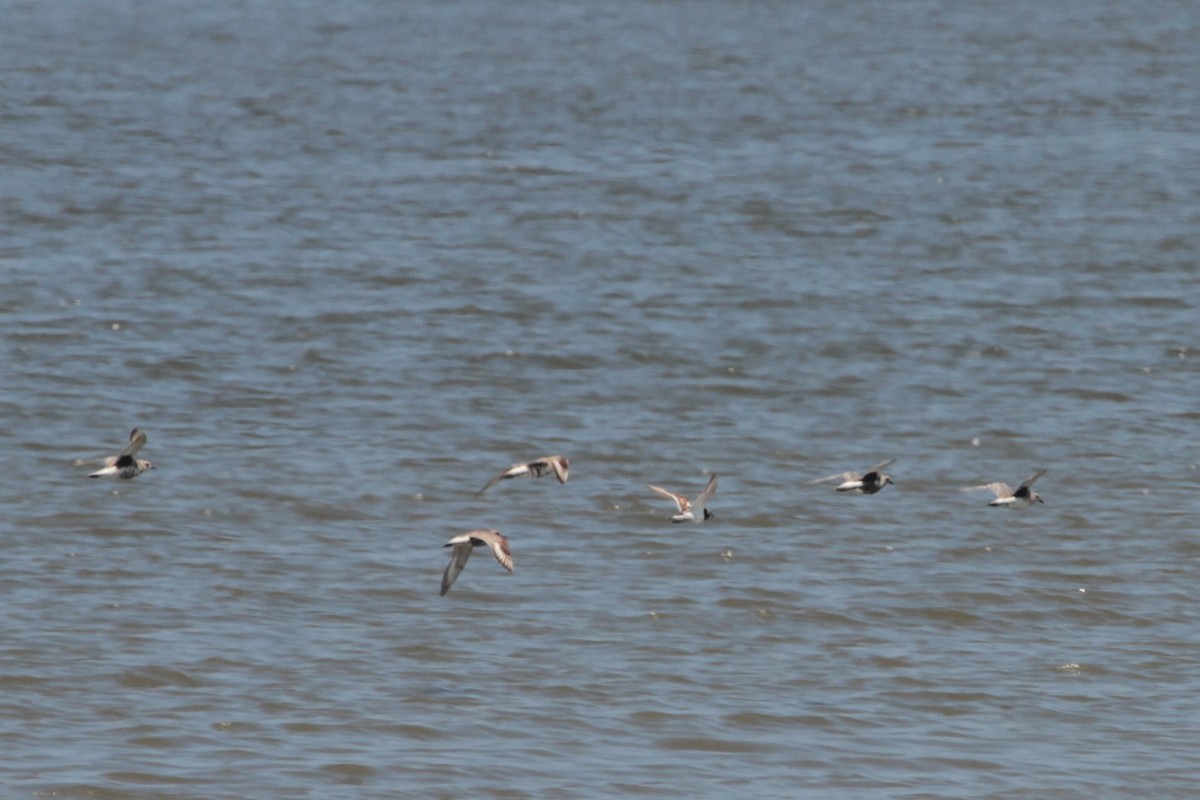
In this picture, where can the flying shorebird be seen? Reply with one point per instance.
(124, 465)
(464, 543)
(1023, 497)
(854, 483)
(687, 508)
(534, 469)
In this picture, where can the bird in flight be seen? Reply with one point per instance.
(534, 469)
(464, 543)
(123, 465)
(687, 507)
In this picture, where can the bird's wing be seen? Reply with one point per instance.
(490, 484)
(498, 544)
(137, 438)
(682, 502)
(882, 465)
(536, 468)
(458, 560)
(709, 490)
(1025, 484)
(560, 467)
(512, 472)
(999, 489)
(107, 461)
(841, 476)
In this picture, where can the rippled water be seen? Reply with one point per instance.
(344, 262)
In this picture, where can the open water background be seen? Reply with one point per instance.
(345, 261)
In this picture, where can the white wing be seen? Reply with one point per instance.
(108, 472)
(841, 476)
(137, 438)
(681, 502)
(999, 489)
(1029, 481)
(512, 472)
(709, 490)
(497, 542)
(560, 466)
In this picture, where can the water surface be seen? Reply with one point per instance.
(345, 262)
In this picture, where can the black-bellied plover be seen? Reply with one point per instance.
(124, 465)
(869, 483)
(464, 543)
(1023, 497)
(687, 507)
(534, 469)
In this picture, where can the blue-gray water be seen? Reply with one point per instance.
(343, 262)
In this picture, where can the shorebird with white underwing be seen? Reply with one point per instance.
(869, 483)
(534, 469)
(123, 465)
(687, 508)
(1023, 497)
(464, 543)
